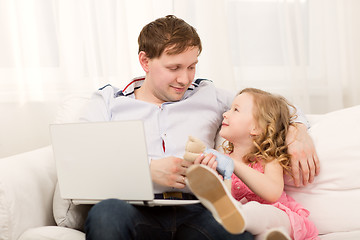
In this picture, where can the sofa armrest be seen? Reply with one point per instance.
(27, 184)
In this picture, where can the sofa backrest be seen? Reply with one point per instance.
(24, 127)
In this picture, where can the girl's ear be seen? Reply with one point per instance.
(144, 61)
(255, 131)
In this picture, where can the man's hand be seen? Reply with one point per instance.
(169, 171)
(304, 160)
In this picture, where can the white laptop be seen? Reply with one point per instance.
(101, 160)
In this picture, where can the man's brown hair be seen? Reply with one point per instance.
(170, 33)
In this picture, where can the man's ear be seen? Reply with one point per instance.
(144, 61)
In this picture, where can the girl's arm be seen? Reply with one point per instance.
(268, 185)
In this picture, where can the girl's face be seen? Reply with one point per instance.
(239, 124)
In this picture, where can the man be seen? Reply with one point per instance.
(172, 107)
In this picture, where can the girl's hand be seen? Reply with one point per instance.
(209, 160)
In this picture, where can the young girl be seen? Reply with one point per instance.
(255, 129)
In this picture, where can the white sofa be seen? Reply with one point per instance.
(28, 181)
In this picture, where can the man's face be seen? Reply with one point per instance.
(169, 76)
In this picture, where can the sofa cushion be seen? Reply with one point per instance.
(27, 184)
(52, 232)
(67, 214)
(353, 235)
(333, 199)
(70, 107)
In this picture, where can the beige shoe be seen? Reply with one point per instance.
(211, 191)
(277, 234)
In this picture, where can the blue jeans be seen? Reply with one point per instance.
(114, 219)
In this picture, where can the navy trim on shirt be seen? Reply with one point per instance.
(102, 88)
(199, 80)
(120, 93)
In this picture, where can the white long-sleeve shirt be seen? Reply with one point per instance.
(167, 127)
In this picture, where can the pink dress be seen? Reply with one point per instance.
(302, 227)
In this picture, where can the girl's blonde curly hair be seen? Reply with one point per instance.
(272, 115)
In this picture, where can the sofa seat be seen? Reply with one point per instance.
(52, 232)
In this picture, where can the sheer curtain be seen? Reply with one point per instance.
(305, 50)
(52, 48)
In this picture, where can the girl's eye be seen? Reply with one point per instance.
(236, 110)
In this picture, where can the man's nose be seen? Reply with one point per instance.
(183, 78)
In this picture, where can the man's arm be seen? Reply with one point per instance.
(304, 160)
